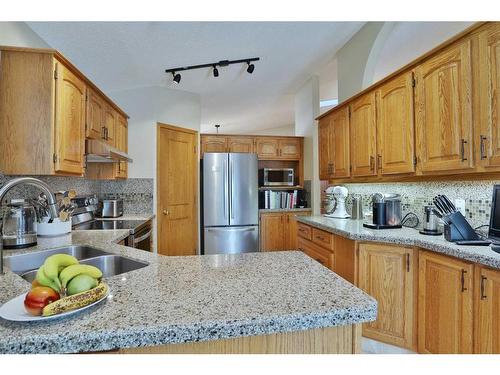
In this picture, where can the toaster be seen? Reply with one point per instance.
(110, 208)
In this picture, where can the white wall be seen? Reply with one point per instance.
(19, 34)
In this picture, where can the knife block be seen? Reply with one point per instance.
(457, 228)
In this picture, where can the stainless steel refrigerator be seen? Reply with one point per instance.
(230, 203)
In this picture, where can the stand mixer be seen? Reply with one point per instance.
(338, 194)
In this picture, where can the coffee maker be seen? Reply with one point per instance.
(386, 211)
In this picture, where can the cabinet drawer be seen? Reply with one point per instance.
(304, 231)
(322, 238)
(325, 257)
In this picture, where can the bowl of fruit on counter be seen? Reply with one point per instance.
(62, 287)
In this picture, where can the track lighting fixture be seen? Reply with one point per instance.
(177, 77)
(250, 68)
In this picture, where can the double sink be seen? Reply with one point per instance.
(26, 265)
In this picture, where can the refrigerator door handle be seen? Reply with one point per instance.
(231, 187)
(232, 229)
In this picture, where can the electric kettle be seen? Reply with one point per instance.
(19, 228)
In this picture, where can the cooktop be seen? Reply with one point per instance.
(132, 225)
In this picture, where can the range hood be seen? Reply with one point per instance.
(98, 151)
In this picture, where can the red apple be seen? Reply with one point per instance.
(38, 298)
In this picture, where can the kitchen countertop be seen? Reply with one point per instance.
(354, 230)
(192, 298)
(130, 217)
(266, 210)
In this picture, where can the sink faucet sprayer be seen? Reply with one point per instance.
(27, 181)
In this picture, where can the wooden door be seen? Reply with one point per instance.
(110, 117)
(324, 149)
(291, 229)
(488, 96)
(95, 115)
(443, 110)
(487, 313)
(289, 148)
(69, 122)
(395, 126)
(213, 143)
(363, 136)
(389, 274)
(267, 148)
(272, 231)
(444, 304)
(177, 191)
(339, 144)
(240, 144)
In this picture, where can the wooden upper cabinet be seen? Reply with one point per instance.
(363, 145)
(487, 137)
(339, 143)
(395, 126)
(267, 148)
(443, 110)
(122, 145)
(324, 149)
(70, 122)
(487, 313)
(240, 144)
(95, 115)
(290, 148)
(272, 231)
(213, 143)
(110, 117)
(445, 302)
(389, 274)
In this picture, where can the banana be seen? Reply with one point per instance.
(76, 300)
(42, 278)
(71, 271)
(54, 262)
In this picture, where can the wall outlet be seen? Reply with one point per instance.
(460, 205)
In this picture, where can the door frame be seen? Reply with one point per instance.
(196, 211)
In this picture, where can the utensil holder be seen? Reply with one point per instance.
(56, 228)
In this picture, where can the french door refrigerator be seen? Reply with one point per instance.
(230, 203)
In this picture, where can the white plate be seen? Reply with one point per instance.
(14, 310)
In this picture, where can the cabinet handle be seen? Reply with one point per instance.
(372, 163)
(462, 149)
(483, 279)
(407, 262)
(320, 238)
(463, 280)
(482, 138)
(103, 132)
(379, 161)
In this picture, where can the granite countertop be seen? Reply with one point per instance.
(265, 210)
(354, 230)
(192, 298)
(130, 217)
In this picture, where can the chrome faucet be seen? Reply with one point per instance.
(27, 181)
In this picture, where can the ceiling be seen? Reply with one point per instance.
(124, 55)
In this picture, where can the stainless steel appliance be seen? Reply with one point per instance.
(431, 222)
(230, 203)
(19, 225)
(386, 211)
(110, 208)
(276, 177)
(338, 194)
(357, 207)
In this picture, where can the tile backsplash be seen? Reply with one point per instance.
(415, 195)
(137, 193)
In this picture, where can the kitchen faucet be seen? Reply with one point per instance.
(27, 181)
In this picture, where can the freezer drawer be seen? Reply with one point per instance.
(231, 240)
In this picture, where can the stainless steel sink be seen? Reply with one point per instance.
(26, 262)
(110, 265)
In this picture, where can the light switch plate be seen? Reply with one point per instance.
(460, 205)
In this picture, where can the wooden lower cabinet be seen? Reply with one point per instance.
(445, 316)
(487, 311)
(318, 253)
(278, 230)
(389, 274)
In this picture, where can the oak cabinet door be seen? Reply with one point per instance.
(339, 143)
(292, 229)
(443, 110)
(289, 148)
(122, 145)
(363, 136)
(267, 148)
(95, 115)
(388, 273)
(272, 231)
(395, 126)
(110, 116)
(240, 144)
(319, 254)
(487, 317)
(213, 143)
(444, 305)
(488, 139)
(324, 149)
(70, 122)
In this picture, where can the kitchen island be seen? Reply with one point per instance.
(281, 302)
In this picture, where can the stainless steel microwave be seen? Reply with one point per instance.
(276, 177)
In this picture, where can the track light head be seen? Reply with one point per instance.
(216, 71)
(177, 77)
(250, 68)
